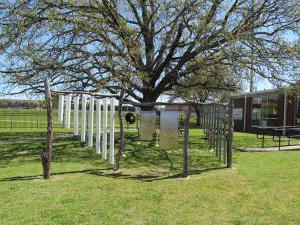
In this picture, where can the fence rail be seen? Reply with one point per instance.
(37, 119)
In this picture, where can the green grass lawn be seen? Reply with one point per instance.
(250, 140)
(262, 188)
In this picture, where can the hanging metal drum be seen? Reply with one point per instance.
(147, 125)
(169, 130)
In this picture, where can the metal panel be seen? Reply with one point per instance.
(169, 130)
(147, 125)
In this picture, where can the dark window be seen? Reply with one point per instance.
(265, 111)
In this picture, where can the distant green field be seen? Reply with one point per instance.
(32, 118)
(35, 118)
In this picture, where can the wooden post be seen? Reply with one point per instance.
(185, 147)
(47, 152)
(122, 140)
(230, 134)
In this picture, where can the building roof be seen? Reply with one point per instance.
(257, 93)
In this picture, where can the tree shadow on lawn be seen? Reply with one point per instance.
(63, 151)
(114, 175)
(39, 177)
(159, 164)
(156, 163)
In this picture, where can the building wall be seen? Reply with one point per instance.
(238, 124)
(290, 112)
(249, 112)
(239, 103)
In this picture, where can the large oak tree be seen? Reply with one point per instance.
(144, 45)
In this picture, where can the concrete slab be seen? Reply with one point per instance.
(269, 149)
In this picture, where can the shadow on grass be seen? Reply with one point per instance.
(143, 158)
(38, 177)
(115, 175)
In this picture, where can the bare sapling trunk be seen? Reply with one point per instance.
(185, 147)
(122, 141)
(46, 154)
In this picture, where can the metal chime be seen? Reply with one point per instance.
(64, 107)
(213, 122)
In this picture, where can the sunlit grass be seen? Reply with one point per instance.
(263, 188)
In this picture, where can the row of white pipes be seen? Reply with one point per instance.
(67, 101)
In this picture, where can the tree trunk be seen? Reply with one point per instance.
(149, 96)
(185, 147)
(197, 111)
(122, 139)
(47, 152)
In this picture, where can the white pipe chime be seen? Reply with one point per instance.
(68, 111)
(98, 126)
(104, 138)
(83, 118)
(76, 107)
(112, 132)
(61, 108)
(91, 122)
(64, 109)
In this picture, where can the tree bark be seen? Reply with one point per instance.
(47, 152)
(197, 111)
(149, 96)
(122, 139)
(185, 147)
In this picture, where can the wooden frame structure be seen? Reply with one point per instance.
(207, 119)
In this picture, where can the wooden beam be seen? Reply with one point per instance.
(122, 138)
(85, 92)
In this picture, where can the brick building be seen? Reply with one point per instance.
(268, 108)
